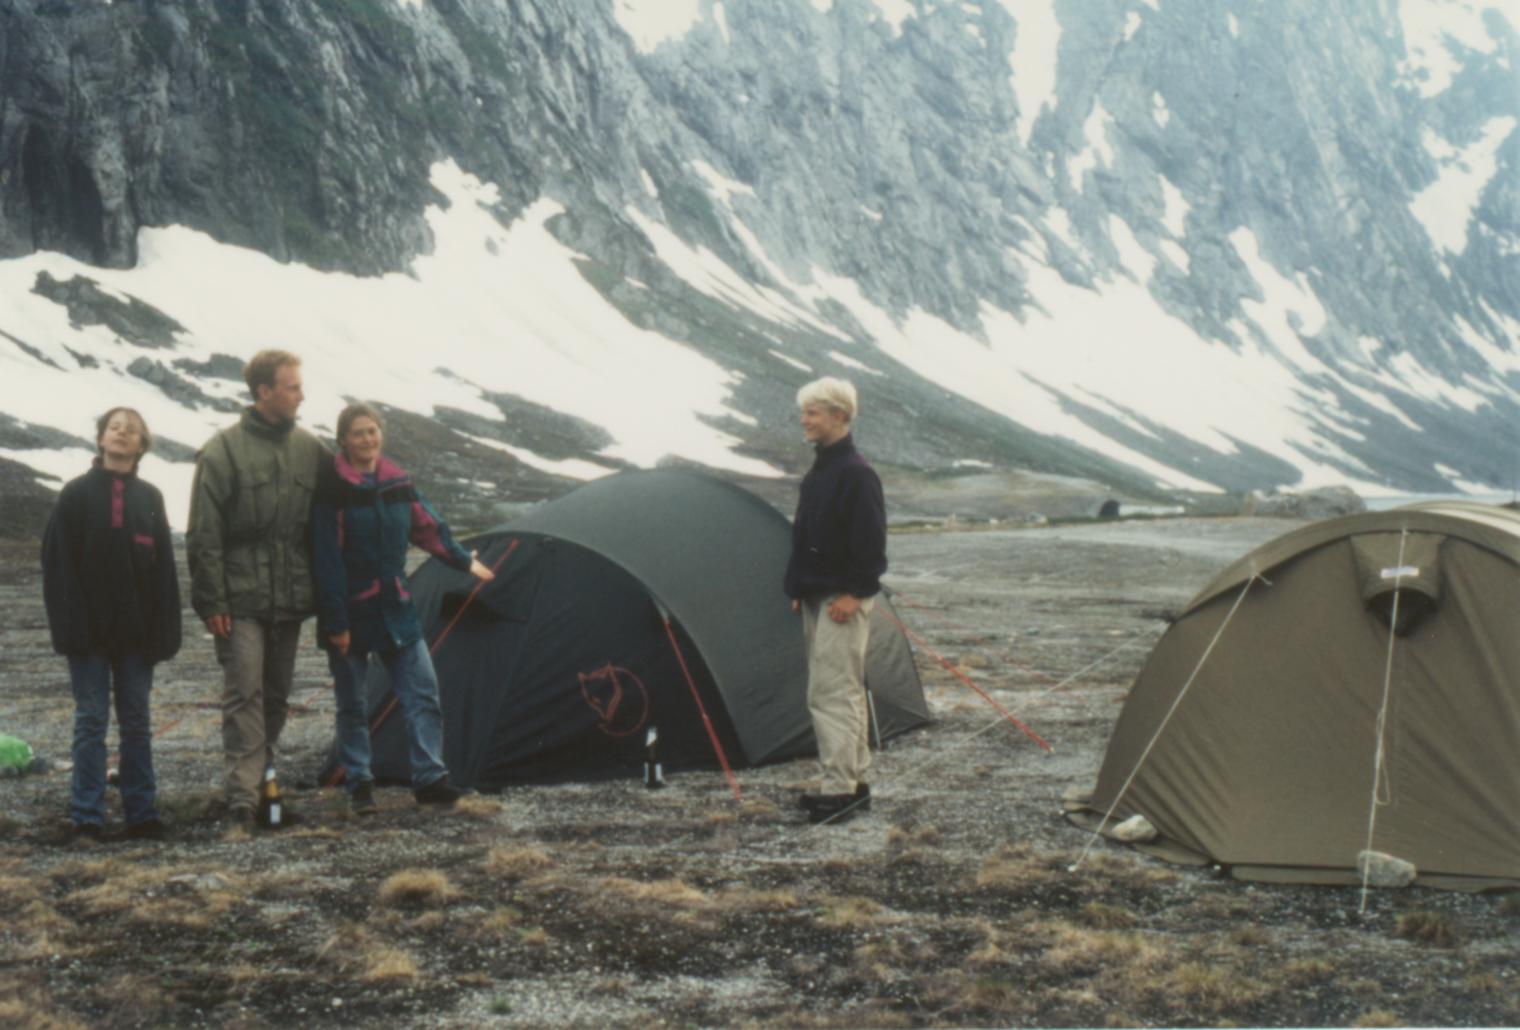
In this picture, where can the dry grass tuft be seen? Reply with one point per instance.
(904, 837)
(852, 913)
(996, 947)
(1078, 951)
(185, 897)
(664, 893)
(1018, 865)
(1106, 917)
(995, 994)
(720, 816)
(1377, 1017)
(743, 900)
(865, 1017)
(1433, 928)
(1483, 983)
(39, 933)
(356, 952)
(1210, 989)
(27, 1007)
(417, 888)
(516, 863)
(478, 807)
(1301, 972)
(533, 937)
(759, 808)
(16, 891)
(497, 924)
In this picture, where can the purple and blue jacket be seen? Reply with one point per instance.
(361, 528)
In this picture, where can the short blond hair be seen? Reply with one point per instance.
(838, 394)
(263, 366)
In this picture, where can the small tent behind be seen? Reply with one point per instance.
(1275, 739)
(646, 599)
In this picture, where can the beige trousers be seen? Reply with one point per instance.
(258, 664)
(836, 654)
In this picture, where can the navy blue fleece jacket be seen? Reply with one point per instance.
(839, 535)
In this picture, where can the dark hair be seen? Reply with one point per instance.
(262, 367)
(356, 410)
(105, 420)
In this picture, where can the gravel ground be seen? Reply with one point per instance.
(604, 904)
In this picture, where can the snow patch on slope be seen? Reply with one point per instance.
(1431, 29)
(1445, 207)
(503, 309)
(1036, 44)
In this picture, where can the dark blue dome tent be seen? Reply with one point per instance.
(649, 598)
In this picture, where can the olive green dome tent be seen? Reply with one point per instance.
(1352, 685)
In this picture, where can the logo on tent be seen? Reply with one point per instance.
(604, 692)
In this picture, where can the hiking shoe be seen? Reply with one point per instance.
(440, 792)
(148, 829)
(834, 809)
(362, 800)
(808, 802)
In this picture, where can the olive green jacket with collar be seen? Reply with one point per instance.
(249, 541)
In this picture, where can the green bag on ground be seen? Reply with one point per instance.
(15, 753)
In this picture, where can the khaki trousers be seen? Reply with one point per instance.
(836, 654)
(258, 664)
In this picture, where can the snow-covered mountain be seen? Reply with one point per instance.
(1197, 245)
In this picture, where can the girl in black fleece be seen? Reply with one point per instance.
(112, 596)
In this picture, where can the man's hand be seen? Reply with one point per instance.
(478, 570)
(844, 607)
(796, 605)
(219, 626)
(340, 642)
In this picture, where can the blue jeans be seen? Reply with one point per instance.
(416, 686)
(93, 678)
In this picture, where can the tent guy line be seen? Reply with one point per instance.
(1097, 831)
(958, 674)
(1380, 754)
(933, 760)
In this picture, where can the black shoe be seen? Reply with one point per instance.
(834, 809)
(148, 829)
(440, 792)
(362, 800)
(808, 802)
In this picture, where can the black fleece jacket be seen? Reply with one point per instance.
(839, 535)
(108, 576)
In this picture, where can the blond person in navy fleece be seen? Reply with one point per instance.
(839, 551)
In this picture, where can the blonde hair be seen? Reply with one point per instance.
(838, 394)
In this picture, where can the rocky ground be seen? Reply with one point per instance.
(950, 904)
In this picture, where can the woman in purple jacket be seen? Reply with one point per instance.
(366, 514)
(112, 596)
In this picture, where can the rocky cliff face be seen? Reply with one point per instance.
(1204, 156)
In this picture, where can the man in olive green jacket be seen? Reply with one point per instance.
(250, 565)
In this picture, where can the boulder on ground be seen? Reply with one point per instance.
(1384, 870)
(1323, 503)
(1137, 829)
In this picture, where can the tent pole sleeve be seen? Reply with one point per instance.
(733, 781)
